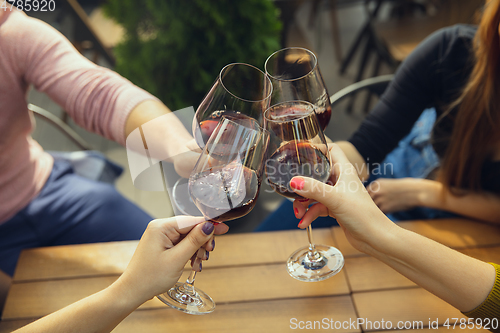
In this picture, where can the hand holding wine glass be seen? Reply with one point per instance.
(297, 147)
(224, 185)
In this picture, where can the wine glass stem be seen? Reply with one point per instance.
(188, 286)
(312, 254)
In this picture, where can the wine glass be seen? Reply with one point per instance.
(297, 147)
(224, 185)
(241, 91)
(295, 75)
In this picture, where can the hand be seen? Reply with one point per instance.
(162, 253)
(347, 201)
(393, 195)
(184, 163)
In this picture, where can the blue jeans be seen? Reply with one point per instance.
(70, 209)
(413, 157)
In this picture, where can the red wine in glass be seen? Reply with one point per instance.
(298, 148)
(225, 193)
(324, 114)
(208, 125)
(295, 158)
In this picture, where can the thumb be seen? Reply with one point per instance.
(311, 188)
(195, 239)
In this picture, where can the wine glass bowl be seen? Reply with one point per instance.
(295, 75)
(226, 180)
(240, 91)
(297, 147)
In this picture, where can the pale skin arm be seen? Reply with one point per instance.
(177, 145)
(393, 195)
(400, 194)
(355, 158)
(156, 265)
(100, 312)
(460, 280)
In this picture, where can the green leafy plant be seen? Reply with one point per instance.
(176, 48)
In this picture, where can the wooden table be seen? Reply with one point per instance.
(246, 276)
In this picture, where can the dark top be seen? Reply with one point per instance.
(433, 75)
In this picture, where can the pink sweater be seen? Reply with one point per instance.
(32, 52)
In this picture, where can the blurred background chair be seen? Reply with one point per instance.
(371, 88)
(63, 131)
(392, 38)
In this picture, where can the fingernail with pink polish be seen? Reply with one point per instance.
(297, 183)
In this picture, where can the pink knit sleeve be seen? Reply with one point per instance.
(96, 98)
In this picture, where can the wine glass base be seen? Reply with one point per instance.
(198, 303)
(328, 263)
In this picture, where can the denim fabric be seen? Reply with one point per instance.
(413, 157)
(70, 209)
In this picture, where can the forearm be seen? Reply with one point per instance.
(100, 312)
(159, 126)
(355, 158)
(460, 280)
(484, 206)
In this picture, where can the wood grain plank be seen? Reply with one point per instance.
(74, 260)
(263, 247)
(37, 299)
(267, 316)
(224, 285)
(112, 258)
(456, 233)
(406, 305)
(367, 273)
(488, 254)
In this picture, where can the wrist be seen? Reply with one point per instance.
(128, 296)
(382, 230)
(388, 235)
(429, 193)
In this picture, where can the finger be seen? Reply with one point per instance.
(312, 214)
(221, 228)
(192, 145)
(210, 244)
(312, 189)
(196, 265)
(184, 223)
(373, 194)
(193, 241)
(336, 154)
(202, 254)
(300, 208)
